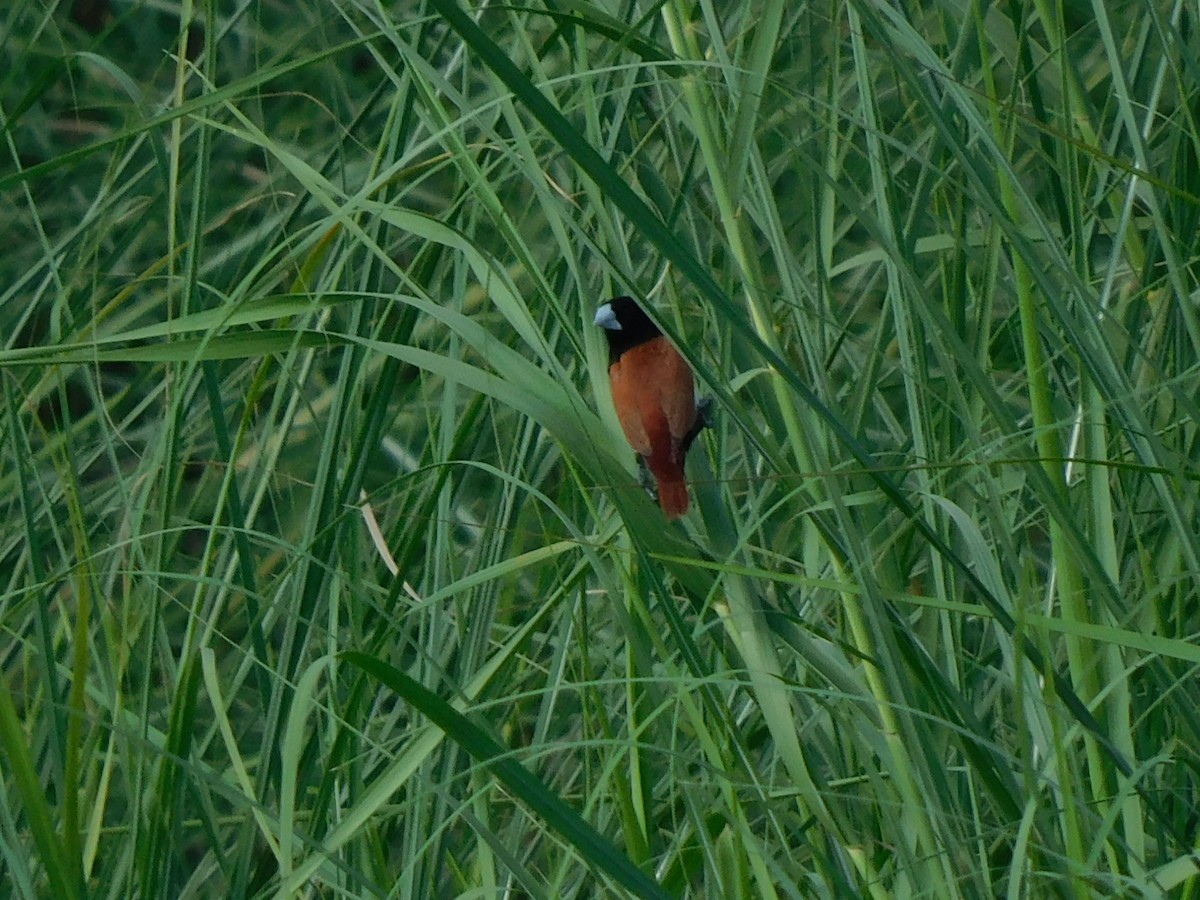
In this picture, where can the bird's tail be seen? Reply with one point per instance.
(673, 497)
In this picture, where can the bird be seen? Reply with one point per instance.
(654, 394)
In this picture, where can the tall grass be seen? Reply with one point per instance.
(324, 568)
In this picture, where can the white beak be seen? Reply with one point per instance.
(606, 318)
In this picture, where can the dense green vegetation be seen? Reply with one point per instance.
(324, 566)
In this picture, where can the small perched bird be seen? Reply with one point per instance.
(654, 395)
